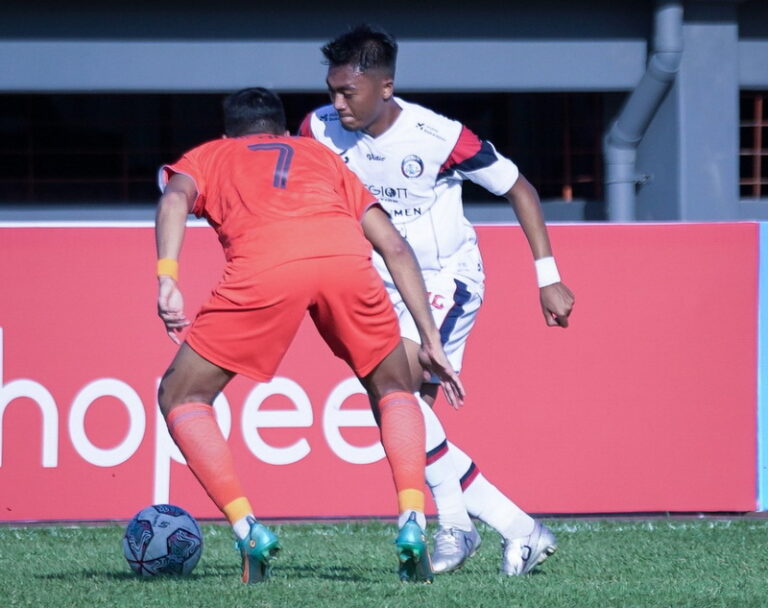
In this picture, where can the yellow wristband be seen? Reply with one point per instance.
(169, 267)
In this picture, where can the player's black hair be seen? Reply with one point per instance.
(253, 110)
(364, 48)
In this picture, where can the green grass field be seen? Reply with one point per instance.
(653, 563)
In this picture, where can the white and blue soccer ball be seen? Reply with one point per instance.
(162, 539)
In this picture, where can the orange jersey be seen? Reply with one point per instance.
(274, 199)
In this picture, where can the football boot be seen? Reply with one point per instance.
(257, 551)
(523, 554)
(453, 547)
(413, 554)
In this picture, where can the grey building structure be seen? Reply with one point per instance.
(675, 76)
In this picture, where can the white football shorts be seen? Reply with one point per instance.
(455, 303)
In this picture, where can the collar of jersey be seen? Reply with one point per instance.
(394, 127)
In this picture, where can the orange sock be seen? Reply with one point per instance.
(403, 438)
(194, 429)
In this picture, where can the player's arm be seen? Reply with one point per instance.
(406, 273)
(556, 299)
(170, 223)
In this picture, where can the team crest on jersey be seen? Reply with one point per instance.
(412, 166)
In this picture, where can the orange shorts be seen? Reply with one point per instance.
(249, 321)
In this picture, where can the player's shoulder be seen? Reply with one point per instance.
(201, 154)
(209, 146)
(430, 123)
(309, 145)
(326, 114)
(323, 124)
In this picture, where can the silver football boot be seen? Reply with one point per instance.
(521, 555)
(453, 547)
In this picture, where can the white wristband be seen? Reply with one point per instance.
(546, 271)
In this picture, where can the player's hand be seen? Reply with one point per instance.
(170, 308)
(435, 363)
(556, 304)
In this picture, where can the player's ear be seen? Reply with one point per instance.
(387, 88)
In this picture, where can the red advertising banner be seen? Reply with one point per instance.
(646, 403)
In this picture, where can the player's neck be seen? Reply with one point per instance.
(385, 120)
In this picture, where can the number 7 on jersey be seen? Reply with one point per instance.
(283, 164)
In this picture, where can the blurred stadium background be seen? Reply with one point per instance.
(93, 97)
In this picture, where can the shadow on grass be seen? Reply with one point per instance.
(329, 573)
(128, 576)
(218, 571)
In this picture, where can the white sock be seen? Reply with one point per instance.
(242, 527)
(405, 516)
(443, 482)
(484, 500)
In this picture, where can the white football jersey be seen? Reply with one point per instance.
(415, 168)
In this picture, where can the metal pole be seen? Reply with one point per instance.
(626, 132)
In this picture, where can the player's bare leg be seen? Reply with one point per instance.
(190, 377)
(403, 437)
(185, 396)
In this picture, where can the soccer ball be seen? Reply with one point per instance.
(162, 539)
